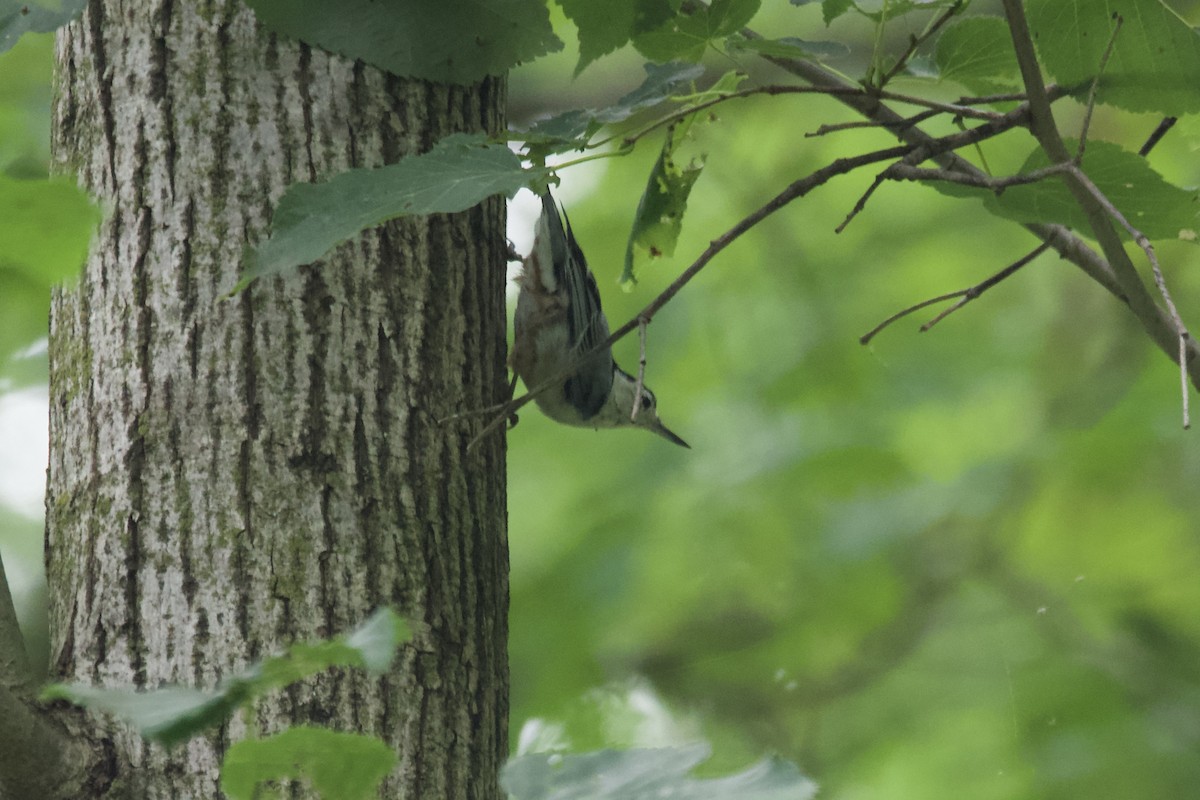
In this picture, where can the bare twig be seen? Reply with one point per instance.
(1159, 281)
(641, 375)
(904, 312)
(965, 295)
(908, 122)
(1154, 320)
(1009, 97)
(970, 294)
(1167, 329)
(845, 90)
(932, 148)
(1091, 101)
(1155, 137)
(905, 172)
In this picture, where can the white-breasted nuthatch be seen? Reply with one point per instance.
(558, 319)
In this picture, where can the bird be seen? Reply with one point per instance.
(558, 319)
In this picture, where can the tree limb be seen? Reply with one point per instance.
(1154, 320)
(1164, 326)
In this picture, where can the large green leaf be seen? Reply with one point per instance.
(571, 130)
(686, 36)
(978, 53)
(458, 173)
(604, 27)
(347, 766)
(1155, 64)
(1153, 206)
(168, 715)
(659, 217)
(453, 41)
(174, 713)
(649, 774)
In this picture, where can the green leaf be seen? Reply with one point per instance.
(977, 52)
(604, 27)
(1155, 64)
(892, 9)
(648, 774)
(174, 713)
(789, 47)
(727, 84)
(659, 217)
(832, 9)
(684, 38)
(1156, 208)
(730, 16)
(452, 41)
(169, 715)
(687, 36)
(662, 81)
(458, 173)
(17, 19)
(572, 130)
(376, 640)
(349, 766)
(45, 227)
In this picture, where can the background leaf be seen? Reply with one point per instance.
(45, 226)
(173, 714)
(1155, 207)
(168, 716)
(571, 130)
(687, 36)
(647, 774)
(341, 766)
(978, 53)
(19, 18)
(1155, 65)
(459, 172)
(604, 27)
(452, 41)
(659, 217)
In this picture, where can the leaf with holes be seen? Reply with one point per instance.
(1155, 63)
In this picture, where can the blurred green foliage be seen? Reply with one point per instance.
(962, 563)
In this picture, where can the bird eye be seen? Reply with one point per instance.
(647, 401)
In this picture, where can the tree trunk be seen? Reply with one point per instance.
(230, 475)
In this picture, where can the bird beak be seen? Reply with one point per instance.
(665, 432)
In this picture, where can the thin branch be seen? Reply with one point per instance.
(1155, 137)
(1169, 331)
(981, 287)
(845, 90)
(916, 41)
(36, 758)
(904, 312)
(1154, 320)
(641, 376)
(987, 99)
(933, 148)
(966, 295)
(1144, 243)
(908, 122)
(1091, 101)
(906, 172)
